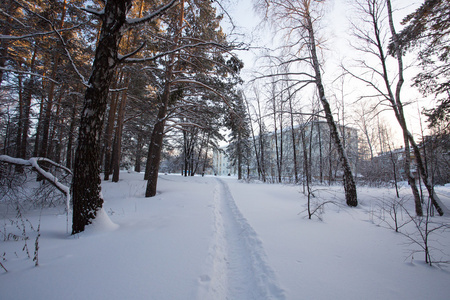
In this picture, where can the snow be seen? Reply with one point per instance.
(219, 238)
(33, 161)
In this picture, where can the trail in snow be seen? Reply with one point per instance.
(237, 264)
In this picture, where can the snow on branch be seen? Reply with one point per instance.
(98, 13)
(35, 34)
(28, 73)
(195, 82)
(180, 126)
(63, 42)
(34, 163)
(151, 16)
(126, 59)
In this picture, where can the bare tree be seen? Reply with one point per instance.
(297, 17)
(375, 12)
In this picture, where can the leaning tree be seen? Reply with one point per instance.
(299, 18)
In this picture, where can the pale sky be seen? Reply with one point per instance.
(336, 28)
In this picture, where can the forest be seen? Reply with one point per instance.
(90, 88)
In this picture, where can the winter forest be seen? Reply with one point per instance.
(193, 130)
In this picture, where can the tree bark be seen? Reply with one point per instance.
(28, 88)
(155, 147)
(408, 138)
(118, 137)
(48, 111)
(320, 152)
(294, 141)
(45, 144)
(349, 183)
(156, 142)
(108, 139)
(71, 134)
(138, 153)
(86, 189)
(275, 136)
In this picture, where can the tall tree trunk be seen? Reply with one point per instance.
(185, 153)
(261, 143)
(239, 151)
(294, 140)
(18, 149)
(29, 86)
(54, 149)
(71, 134)
(407, 136)
(6, 30)
(205, 158)
(155, 147)
(330, 160)
(138, 153)
(156, 142)
(280, 165)
(349, 183)
(118, 138)
(203, 144)
(192, 144)
(258, 165)
(311, 142)
(39, 128)
(48, 111)
(319, 135)
(108, 139)
(45, 144)
(25, 97)
(86, 188)
(275, 136)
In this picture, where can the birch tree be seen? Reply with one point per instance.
(373, 32)
(299, 18)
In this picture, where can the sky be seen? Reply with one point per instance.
(336, 29)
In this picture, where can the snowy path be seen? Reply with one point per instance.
(237, 261)
(211, 238)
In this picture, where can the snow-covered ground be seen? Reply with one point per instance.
(218, 238)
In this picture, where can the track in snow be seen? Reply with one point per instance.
(237, 263)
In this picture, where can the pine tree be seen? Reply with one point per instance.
(239, 139)
(86, 189)
(428, 30)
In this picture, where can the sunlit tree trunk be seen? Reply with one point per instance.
(156, 142)
(86, 189)
(108, 139)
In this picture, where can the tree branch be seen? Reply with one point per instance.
(151, 16)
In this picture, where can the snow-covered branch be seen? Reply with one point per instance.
(126, 56)
(28, 73)
(125, 59)
(98, 13)
(35, 34)
(63, 42)
(195, 82)
(151, 16)
(180, 126)
(34, 163)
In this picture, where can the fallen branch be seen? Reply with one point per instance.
(34, 163)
